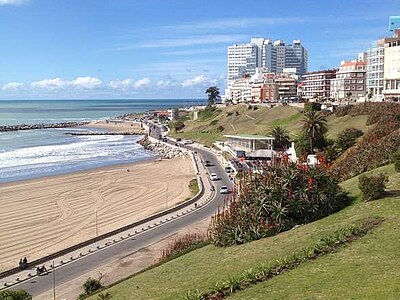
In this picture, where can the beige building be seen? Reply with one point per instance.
(350, 81)
(391, 89)
(317, 84)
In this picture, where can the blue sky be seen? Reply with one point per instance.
(165, 48)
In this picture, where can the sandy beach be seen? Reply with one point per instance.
(124, 126)
(42, 216)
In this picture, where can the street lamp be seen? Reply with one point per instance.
(95, 212)
(166, 197)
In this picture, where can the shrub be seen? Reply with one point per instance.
(372, 186)
(228, 114)
(15, 295)
(396, 160)
(237, 113)
(214, 122)
(106, 296)
(184, 243)
(91, 286)
(178, 125)
(312, 106)
(255, 107)
(347, 138)
(282, 196)
(220, 128)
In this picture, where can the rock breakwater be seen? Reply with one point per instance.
(162, 149)
(41, 126)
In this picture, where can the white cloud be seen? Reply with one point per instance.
(57, 83)
(12, 2)
(86, 82)
(200, 80)
(51, 84)
(192, 41)
(12, 86)
(167, 83)
(145, 82)
(129, 84)
(234, 23)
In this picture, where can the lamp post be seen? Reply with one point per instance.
(95, 212)
(166, 197)
(54, 281)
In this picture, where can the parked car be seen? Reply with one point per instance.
(187, 142)
(228, 169)
(208, 163)
(213, 176)
(224, 190)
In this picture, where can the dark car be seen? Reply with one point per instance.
(208, 163)
(228, 169)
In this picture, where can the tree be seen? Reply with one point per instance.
(15, 295)
(281, 137)
(314, 127)
(178, 125)
(213, 95)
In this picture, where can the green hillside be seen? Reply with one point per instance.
(365, 269)
(257, 120)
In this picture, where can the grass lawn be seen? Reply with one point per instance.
(366, 269)
(366, 266)
(239, 119)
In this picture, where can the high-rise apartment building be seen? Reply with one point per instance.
(374, 76)
(242, 60)
(391, 90)
(270, 56)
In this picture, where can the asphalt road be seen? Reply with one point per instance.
(41, 284)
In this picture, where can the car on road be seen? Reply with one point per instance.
(213, 176)
(228, 169)
(223, 190)
(187, 142)
(208, 163)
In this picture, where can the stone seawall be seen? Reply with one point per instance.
(41, 126)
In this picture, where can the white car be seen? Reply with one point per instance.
(213, 176)
(224, 190)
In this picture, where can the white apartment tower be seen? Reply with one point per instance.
(269, 56)
(242, 60)
(375, 67)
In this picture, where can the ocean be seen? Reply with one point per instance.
(37, 153)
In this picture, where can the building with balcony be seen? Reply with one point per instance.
(375, 69)
(391, 90)
(317, 84)
(350, 82)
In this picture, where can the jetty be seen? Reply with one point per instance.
(41, 126)
(106, 133)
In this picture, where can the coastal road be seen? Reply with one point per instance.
(74, 269)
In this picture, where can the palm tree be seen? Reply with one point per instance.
(314, 126)
(213, 95)
(281, 137)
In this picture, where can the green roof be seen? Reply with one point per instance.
(249, 137)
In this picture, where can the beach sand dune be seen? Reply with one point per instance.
(39, 217)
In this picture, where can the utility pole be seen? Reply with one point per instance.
(95, 211)
(54, 281)
(166, 197)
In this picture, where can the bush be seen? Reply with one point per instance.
(183, 243)
(279, 198)
(372, 186)
(178, 125)
(15, 295)
(220, 128)
(347, 138)
(396, 160)
(228, 114)
(214, 122)
(255, 107)
(91, 286)
(312, 106)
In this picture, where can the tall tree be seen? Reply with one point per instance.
(314, 127)
(281, 137)
(213, 95)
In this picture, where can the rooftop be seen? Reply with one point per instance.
(249, 137)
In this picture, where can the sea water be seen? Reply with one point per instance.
(36, 153)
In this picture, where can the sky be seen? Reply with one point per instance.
(172, 49)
